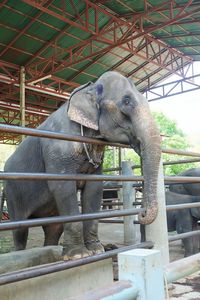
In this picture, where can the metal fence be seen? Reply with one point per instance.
(151, 232)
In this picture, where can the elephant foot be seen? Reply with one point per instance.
(76, 253)
(95, 246)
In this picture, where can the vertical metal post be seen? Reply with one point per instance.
(120, 159)
(157, 231)
(22, 97)
(130, 233)
(143, 267)
(114, 158)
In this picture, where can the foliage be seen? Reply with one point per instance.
(172, 138)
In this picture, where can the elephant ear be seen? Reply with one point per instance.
(83, 106)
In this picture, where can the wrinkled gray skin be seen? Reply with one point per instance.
(112, 109)
(187, 188)
(184, 220)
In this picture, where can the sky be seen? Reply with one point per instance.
(184, 109)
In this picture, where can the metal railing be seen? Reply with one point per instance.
(16, 276)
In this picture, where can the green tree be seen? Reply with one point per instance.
(172, 138)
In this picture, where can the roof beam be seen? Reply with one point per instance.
(75, 53)
(173, 88)
(25, 28)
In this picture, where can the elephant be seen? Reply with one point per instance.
(184, 220)
(181, 220)
(110, 109)
(187, 188)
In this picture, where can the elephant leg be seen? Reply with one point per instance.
(20, 237)
(195, 239)
(91, 202)
(184, 224)
(17, 213)
(67, 204)
(52, 234)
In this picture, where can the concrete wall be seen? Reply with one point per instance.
(60, 285)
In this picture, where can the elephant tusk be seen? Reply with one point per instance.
(150, 215)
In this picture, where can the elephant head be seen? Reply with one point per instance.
(114, 108)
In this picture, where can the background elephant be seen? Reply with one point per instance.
(111, 109)
(187, 188)
(184, 220)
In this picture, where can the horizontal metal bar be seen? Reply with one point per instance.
(112, 221)
(82, 217)
(77, 177)
(181, 161)
(76, 138)
(60, 266)
(183, 235)
(180, 179)
(180, 152)
(55, 135)
(167, 163)
(182, 206)
(67, 219)
(182, 268)
(67, 177)
(121, 289)
(112, 203)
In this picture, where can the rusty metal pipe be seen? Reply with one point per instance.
(76, 138)
(68, 219)
(106, 203)
(182, 206)
(112, 221)
(51, 176)
(167, 163)
(183, 235)
(182, 268)
(77, 177)
(60, 266)
(55, 135)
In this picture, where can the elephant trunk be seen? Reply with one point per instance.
(150, 148)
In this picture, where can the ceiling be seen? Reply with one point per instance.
(63, 44)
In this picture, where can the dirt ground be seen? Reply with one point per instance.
(107, 236)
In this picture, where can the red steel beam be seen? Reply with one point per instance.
(121, 40)
(169, 7)
(25, 29)
(173, 88)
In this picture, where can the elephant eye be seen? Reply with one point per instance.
(126, 100)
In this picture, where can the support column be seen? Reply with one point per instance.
(157, 231)
(130, 231)
(120, 159)
(144, 268)
(22, 97)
